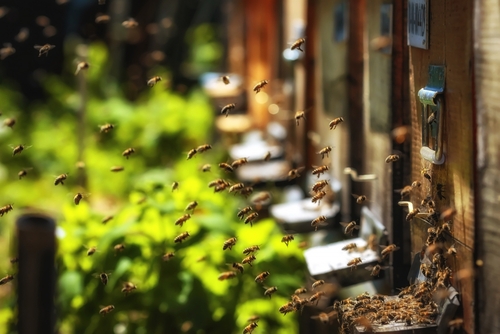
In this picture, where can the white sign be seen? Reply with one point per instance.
(418, 23)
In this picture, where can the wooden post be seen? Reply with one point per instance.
(310, 80)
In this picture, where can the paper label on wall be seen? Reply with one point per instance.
(418, 23)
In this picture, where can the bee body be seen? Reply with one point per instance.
(226, 167)
(320, 221)
(318, 197)
(298, 44)
(260, 85)
(23, 173)
(262, 276)
(191, 153)
(320, 170)
(128, 287)
(153, 81)
(227, 275)
(359, 198)
(9, 122)
(270, 291)
(206, 168)
(227, 108)
(119, 248)
(236, 187)
(175, 185)
(354, 263)
(251, 218)
(107, 219)
(116, 169)
(5, 209)
(191, 206)
(295, 173)
(318, 186)
(6, 51)
(107, 309)
(412, 214)
(249, 329)
(249, 259)
(300, 291)
(184, 218)
(315, 298)
(350, 246)
(299, 115)
(225, 80)
(167, 256)
(102, 18)
(251, 249)
(375, 270)
(317, 283)
(104, 277)
(130, 23)
(325, 151)
(391, 158)
(81, 66)
(350, 227)
(406, 191)
(181, 237)
(241, 214)
(106, 128)
(203, 148)
(6, 279)
(333, 124)
(60, 179)
(287, 239)
(78, 197)
(238, 266)
(267, 157)
(91, 251)
(229, 243)
(44, 49)
(18, 149)
(128, 152)
(239, 162)
(389, 249)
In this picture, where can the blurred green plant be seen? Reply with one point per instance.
(182, 295)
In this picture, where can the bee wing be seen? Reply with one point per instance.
(355, 195)
(344, 224)
(369, 268)
(38, 47)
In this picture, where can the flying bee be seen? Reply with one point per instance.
(247, 191)
(317, 283)
(431, 118)
(249, 259)
(324, 317)
(440, 191)
(107, 309)
(60, 179)
(83, 65)
(251, 218)
(261, 197)
(350, 247)
(320, 170)
(191, 153)
(239, 162)
(448, 214)
(18, 149)
(6, 279)
(130, 23)
(206, 168)
(354, 263)
(175, 186)
(372, 242)
(359, 198)
(391, 158)
(318, 197)
(416, 184)
(375, 270)
(260, 85)
(287, 308)
(319, 185)
(287, 239)
(5, 209)
(77, 198)
(238, 266)
(119, 248)
(14, 260)
(425, 173)
(300, 291)
(270, 291)
(315, 298)
(6, 51)
(412, 214)
(267, 157)
(320, 221)
(203, 148)
(128, 287)
(262, 276)
(229, 243)
(102, 18)
(226, 167)
(298, 44)
(104, 277)
(227, 108)
(236, 187)
(181, 237)
(116, 169)
(241, 214)
(107, 219)
(184, 218)
(22, 35)
(225, 80)
(44, 49)
(128, 152)
(167, 256)
(251, 249)
(9, 122)
(106, 127)
(387, 250)
(249, 329)
(325, 151)
(295, 173)
(301, 114)
(333, 124)
(191, 206)
(350, 227)
(406, 191)
(452, 250)
(153, 81)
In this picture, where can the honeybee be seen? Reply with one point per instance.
(318, 197)
(153, 81)
(317, 283)
(206, 168)
(106, 127)
(324, 317)
(375, 270)
(298, 44)
(22, 35)
(247, 191)
(227, 108)
(107, 219)
(175, 186)
(91, 251)
(320, 170)
(9, 122)
(128, 152)
(60, 179)
(431, 118)
(359, 198)
(299, 115)
(315, 298)
(406, 191)
(287, 308)
(270, 291)
(116, 169)
(319, 185)
(363, 321)
(130, 23)
(226, 167)
(107, 309)
(14, 260)
(184, 218)
(295, 173)
(387, 250)
(412, 214)
(181, 237)
(167, 256)
(119, 247)
(250, 328)
(425, 173)
(5, 209)
(260, 85)
(325, 151)
(104, 277)
(350, 247)
(262, 276)
(6, 279)
(236, 187)
(249, 259)
(6, 51)
(18, 149)
(300, 291)
(102, 18)
(191, 206)
(354, 263)
(261, 197)
(251, 249)
(416, 184)
(78, 197)
(391, 158)
(225, 80)
(128, 287)
(191, 153)
(452, 250)
(239, 162)
(267, 157)
(238, 266)
(241, 214)
(287, 239)
(44, 49)
(350, 227)
(229, 243)
(320, 221)
(333, 124)
(83, 65)
(203, 148)
(251, 218)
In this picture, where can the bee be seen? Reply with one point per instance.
(236, 187)
(287, 239)
(295, 173)
(130, 23)
(14, 260)
(333, 124)
(324, 317)
(6, 279)
(262, 276)
(270, 291)
(354, 263)
(107, 309)
(247, 191)
(319, 185)
(267, 157)
(9, 122)
(83, 65)
(191, 153)
(181, 237)
(372, 242)
(217, 182)
(325, 151)
(318, 197)
(350, 227)
(300, 291)
(287, 308)
(116, 169)
(250, 328)
(6, 51)
(239, 162)
(241, 214)
(452, 250)
(320, 221)
(431, 118)
(387, 250)
(128, 287)
(359, 198)
(106, 127)
(119, 248)
(78, 197)
(262, 196)
(203, 148)
(5, 209)
(251, 249)
(91, 251)
(251, 218)
(107, 219)
(299, 115)
(60, 179)
(22, 35)
(227, 108)
(44, 49)
(238, 266)
(406, 191)
(227, 275)
(128, 152)
(102, 18)
(316, 297)
(225, 80)
(317, 283)
(416, 184)
(175, 186)
(375, 270)
(249, 259)
(440, 191)
(320, 170)
(206, 168)
(184, 218)
(226, 167)
(104, 277)
(412, 214)
(260, 85)
(425, 173)
(153, 81)
(191, 206)
(391, 158)
(18, 149)
(229, 243)
(298, 44)
(350, 246)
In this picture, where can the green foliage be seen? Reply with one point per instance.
(183, 293)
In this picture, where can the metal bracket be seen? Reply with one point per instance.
(430, 100)
(359, 178)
